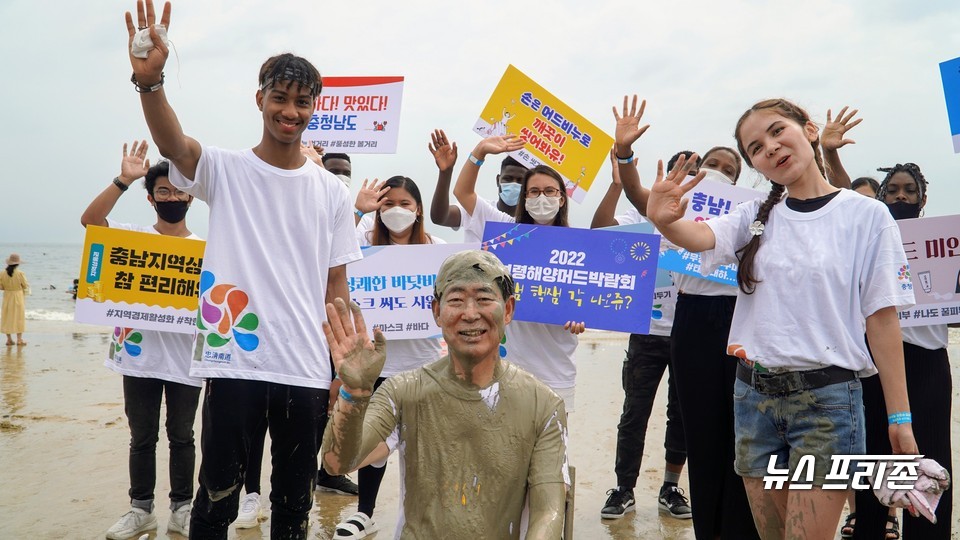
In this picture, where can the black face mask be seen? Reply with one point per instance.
(172, 211)
(904, 210)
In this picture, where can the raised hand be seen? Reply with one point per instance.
(147, 70)
(444, 152)
(628, 128)
(666, 203)
(135, 164)
(834, 130)
(368, 198)
(498, 144)
(358, 360)
(313, 153)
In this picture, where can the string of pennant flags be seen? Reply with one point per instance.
(504, 239)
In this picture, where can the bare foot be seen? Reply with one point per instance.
(20, 343)
(9, 343)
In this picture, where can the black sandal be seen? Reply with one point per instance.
(847, 530)
(893, 531)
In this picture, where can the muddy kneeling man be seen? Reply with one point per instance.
(476, 434)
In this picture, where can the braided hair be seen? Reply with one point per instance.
(290, 69)
(746, 273)
(910, 168)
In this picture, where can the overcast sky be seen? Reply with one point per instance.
(68, 106)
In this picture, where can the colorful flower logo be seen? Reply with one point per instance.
(127, 339)
(904, 273)
(223, 314)
(503, 349)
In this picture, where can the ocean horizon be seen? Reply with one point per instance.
(50, 269)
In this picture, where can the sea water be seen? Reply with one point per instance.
(50, 269)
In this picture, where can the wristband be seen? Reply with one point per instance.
(475, 161)
(625, 160)
(141, 89)
(119, 184)
(346, 396)
(358, 212)
(900, 418)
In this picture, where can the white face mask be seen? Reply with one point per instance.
(542, 209)
(345, 179)
(716, 176)
(397, 219)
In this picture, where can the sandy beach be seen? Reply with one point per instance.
(63, 446)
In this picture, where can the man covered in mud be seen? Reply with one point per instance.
(476, 434)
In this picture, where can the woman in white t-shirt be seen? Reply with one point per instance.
(398, 220)
(545, 350)
(806, 296)
(929, 384)
(153, 364)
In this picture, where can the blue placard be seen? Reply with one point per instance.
(600, 277)
(684, 262)
(950, 73)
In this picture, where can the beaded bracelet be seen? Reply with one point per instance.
(900, 418)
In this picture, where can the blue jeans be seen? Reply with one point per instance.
(821, 422)
(141, 402)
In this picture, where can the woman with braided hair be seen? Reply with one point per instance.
(929, 384)
(806, 296)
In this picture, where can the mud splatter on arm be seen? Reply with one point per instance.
(357, 432)
(548, 475)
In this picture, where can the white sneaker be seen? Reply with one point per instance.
(250, 512)
(180, 520)
(131, 524)
(356, 526)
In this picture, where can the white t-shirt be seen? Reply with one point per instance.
(545, 350)
(274, 234)
(663, 325)
(483, 212)
(148, 353)
(406, 354)
(821, 274)
(932, 337)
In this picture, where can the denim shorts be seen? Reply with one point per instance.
(822, 422)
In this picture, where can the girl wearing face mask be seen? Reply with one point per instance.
(159, 367)
(929, 385)
(545, 350)
(398, 221)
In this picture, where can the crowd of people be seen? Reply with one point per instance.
(756, 370)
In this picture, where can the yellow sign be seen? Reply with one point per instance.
(555, 135)
(139, 280)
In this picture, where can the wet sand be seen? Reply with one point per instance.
(64, 438)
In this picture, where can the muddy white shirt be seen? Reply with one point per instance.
(821, 274)
(468, 457)
(148, 353)
(273, 236)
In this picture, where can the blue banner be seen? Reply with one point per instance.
(600, 277)
(950, 73)
(684, 262)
